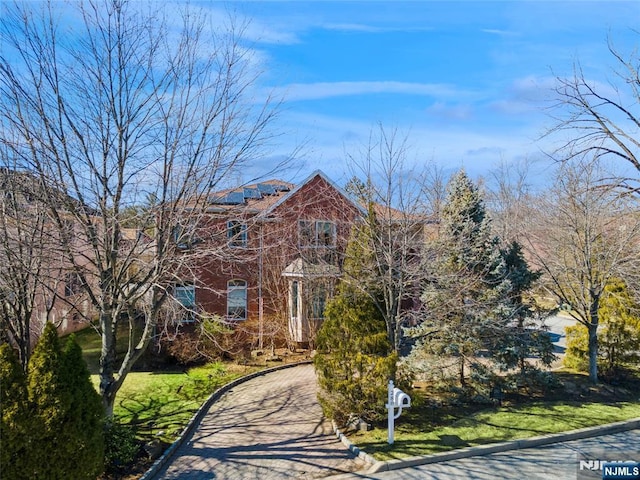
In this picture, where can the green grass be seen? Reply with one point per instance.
(91, 343)
(161, 404)
(423, 436)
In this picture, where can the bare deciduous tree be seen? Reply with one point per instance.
(396, 216)
(586, 233)
(602, 120)
(27, 267)
(120, 105)
(508, 197)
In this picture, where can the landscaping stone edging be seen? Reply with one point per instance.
(383, 466)
(168, 453)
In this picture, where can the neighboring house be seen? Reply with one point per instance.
(36, 282)
(278, 253)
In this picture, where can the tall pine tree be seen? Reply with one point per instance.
(467, 288)
(524, 338)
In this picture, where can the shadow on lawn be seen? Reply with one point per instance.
(166, 406)
(433, 426)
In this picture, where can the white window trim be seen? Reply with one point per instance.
(244, 288)
(239, 240)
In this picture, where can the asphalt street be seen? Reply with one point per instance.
(559, 461)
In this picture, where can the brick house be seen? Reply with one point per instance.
(278, 253)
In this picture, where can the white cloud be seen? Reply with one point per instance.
(322, 90)
(352, 27)
(500, 33)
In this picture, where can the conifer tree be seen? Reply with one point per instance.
(14, 427)
(525, 339)
(50, 402)
(84, 425)
(66, 435)
(355, 358)
(467, 287)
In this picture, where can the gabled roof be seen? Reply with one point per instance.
(300, 268)
(317, 173)
(255, 198)
(262, 198)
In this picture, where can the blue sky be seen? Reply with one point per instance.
(466, 82)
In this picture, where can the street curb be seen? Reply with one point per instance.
(197, 417)
(351, 447)
(380, 466)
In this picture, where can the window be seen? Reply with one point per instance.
(316, 233)
(325, 234)
(184, 235)
(318, 300)
(306, 233)
(237, 233)
(185, 295)
(237, 299)
(72, 284)
(294, 299)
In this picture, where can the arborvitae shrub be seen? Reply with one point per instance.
(14, 419)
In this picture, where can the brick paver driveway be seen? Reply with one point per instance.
(270, 427)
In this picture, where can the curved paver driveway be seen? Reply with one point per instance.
(270, 427)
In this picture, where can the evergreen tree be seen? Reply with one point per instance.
(524, 339)
(467, 288)
(14, 427)
(66, 438)
(354, 358)
(50, 402)
(84, 426)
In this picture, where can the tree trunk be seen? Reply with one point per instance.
(108, 362)
(593, 352)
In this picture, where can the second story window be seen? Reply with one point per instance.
(237, 233)
(72, 284)
(325, 234)
(316, 233)
(183, 235)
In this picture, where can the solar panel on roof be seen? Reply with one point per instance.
(266, 189)
(281, 188)
(252, 193)
(231, 198)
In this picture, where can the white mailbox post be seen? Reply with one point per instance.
(396, 398)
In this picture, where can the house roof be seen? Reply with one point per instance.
(263, 197)
(257, 197)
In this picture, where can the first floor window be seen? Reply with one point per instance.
(294, 299)
(237, 299)
(318, 300)
(185, 295)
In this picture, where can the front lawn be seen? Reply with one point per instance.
(160, 404)
(499, 424)
(425, 429)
